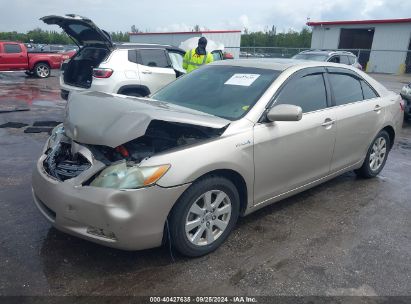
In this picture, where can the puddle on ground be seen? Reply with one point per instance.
(44, 103)
(404, 144)
(17, 88)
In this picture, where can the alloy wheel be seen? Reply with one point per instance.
(377, 156)
(208, 217)
(42, 71)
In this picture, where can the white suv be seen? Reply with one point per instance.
(101, 65)
(343, 57)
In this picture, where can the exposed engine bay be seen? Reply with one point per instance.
(62, 164)
(160, 136)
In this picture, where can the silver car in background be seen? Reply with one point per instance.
(216, 144)
(343, 57)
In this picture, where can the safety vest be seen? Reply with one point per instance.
(193, 61)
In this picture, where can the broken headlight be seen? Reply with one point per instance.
(122, 176)
(55, 136)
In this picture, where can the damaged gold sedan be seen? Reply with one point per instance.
(220, 142)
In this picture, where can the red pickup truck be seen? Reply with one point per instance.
(14, 57)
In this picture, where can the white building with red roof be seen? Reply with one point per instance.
(384, 46)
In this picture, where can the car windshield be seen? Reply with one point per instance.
(314, 57)
(223, 91)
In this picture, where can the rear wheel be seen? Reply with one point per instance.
(204, 216)
(376, 156)
(42, 70)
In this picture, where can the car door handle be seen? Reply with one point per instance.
(377, 108)
(328, 122)
(146, 72)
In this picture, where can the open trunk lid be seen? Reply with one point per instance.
(97, 118)
(81, 29)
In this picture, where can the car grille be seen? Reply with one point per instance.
(62, 165)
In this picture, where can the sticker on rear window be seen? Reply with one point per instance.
(242, 79)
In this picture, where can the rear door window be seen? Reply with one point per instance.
(153, 58)
(346, 88)
(344, 59)
(12, 48)
(308, 92)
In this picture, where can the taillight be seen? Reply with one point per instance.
(102, 73)
(402, 106)
(228, 56)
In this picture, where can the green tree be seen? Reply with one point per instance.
(134, 29)
(270, 38)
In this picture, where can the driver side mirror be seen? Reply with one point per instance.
(285, 112)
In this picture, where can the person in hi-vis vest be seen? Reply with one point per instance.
(197, 57)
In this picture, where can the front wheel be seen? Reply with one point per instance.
(42, 70)
(376, 156)
(204, 216)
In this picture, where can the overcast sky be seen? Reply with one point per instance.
(182, 15)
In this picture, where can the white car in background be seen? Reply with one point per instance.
(100, 65)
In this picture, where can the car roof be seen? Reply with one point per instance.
(128, 45)
(277, 64)
(326, 52)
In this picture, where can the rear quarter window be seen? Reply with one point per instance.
(351, 59)
(344, 59)
(132, 56)
(368, 92)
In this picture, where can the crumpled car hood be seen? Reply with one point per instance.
(97, 118)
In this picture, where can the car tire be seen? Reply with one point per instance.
(42, 70)
(376, 156)
(198, 228)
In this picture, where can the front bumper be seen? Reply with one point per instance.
(406, 96)
(124, 219)
(407, 106)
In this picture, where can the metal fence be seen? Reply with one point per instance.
(377, 61)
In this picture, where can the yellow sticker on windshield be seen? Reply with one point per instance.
(245, 108)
